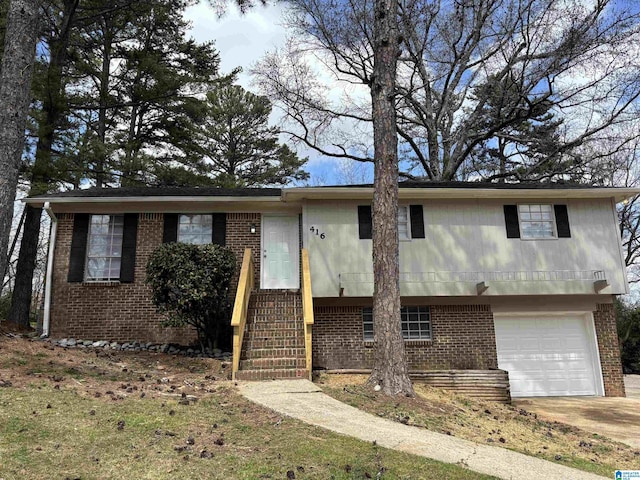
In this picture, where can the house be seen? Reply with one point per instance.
(517, 277)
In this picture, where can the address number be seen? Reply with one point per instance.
(317, 232)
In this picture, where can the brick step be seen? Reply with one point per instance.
(274, 299)
(269, 342)
(271, 374)
(273, 326)
(254, 352)
(290, 338)
(279, 320)
(276, 363)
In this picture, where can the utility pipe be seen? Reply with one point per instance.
(49, 275)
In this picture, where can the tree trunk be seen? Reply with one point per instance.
(390, 365)
(15, 84)
(53, 106)
(105, 76)
(23, 286)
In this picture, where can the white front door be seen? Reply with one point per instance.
(547, 355)
(280, 252)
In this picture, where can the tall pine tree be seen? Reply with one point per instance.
(237, 145)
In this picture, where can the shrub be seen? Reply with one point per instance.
(628, 320)
(191, 284)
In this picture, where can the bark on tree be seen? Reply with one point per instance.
(23, 283)
(53, 107)
(15, 83)
(390, 369)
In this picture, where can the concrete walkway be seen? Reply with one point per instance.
(303, 400)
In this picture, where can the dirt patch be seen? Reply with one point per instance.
(507, 426)
(616, 418)
(102, 372)
(8, 328)
(92, 413)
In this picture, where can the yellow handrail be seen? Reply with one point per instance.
(240, 307)
(307, 309)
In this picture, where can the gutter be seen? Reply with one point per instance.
(154, 199)
(619, 194)
(49, 275)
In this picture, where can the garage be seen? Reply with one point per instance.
(548, 355)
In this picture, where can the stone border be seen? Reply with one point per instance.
(136, 346)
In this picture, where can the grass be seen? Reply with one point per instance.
(488, 423)
(94, 414)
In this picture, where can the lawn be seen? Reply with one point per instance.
(97, 414)
(488, 423)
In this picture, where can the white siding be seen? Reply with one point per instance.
(465, 238)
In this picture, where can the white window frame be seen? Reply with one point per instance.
(552, 220)
(408, 221)
(405, 311)
(109, 254)
(205, 236)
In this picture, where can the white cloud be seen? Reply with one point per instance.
(241, 39)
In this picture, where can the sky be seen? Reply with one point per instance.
(242, 40)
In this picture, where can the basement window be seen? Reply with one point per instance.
(415, 323)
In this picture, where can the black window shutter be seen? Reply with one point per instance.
(365, 224)
(511, 221)
(417, 221)
(78, 247)
(170, 232)
(219, 233)
(129, 237)
(562, 221)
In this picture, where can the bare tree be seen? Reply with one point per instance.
(15, 81)
(486, 89)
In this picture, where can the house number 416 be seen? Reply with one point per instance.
(317, 232)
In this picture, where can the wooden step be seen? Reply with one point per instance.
(489, 385)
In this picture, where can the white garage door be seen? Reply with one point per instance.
(547, 355)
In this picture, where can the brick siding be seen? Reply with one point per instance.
(462, 338)
(123, 311)
(240, 237)
(605, 323)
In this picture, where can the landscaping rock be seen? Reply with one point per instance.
(136, 346)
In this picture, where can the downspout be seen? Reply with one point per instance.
(49, 275)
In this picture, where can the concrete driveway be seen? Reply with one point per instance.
(616, 418)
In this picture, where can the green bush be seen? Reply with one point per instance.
(191, 284)
(628, 322)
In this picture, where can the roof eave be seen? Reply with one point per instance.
(343, 193)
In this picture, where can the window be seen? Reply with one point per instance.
(367, 323)
(195, 229)
(415, 323)
(410, 222)
(104, 247)
(536, 221)
(404, 233)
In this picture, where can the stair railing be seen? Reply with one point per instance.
(240, 307)
(307, 309)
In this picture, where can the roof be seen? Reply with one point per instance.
(407, 190)
(126, 192)
(442, 190)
